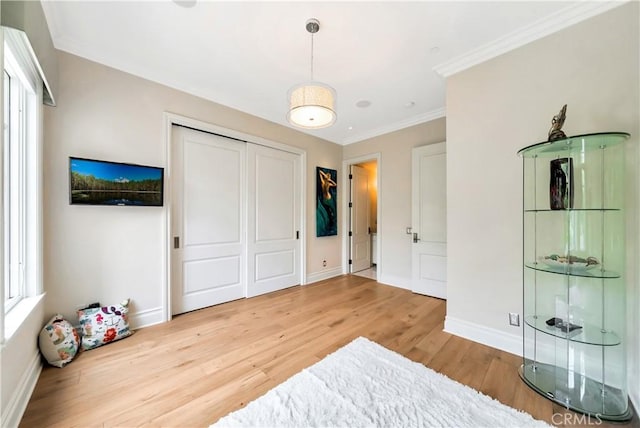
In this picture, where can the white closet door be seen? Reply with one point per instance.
(208, 219)
(273, 220)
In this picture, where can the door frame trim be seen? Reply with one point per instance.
(346, 164)
(169, 119)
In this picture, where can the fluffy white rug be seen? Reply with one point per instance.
(366, 385)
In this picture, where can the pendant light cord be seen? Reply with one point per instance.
(312, 57)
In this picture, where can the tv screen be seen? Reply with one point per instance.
(96, 182)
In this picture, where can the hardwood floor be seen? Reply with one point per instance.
(202, 365)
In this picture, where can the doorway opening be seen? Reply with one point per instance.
(363, 254)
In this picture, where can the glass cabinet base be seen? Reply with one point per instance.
(584, 395)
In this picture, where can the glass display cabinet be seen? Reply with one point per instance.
(573, 275)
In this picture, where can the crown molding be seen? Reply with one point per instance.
(412, 121)
(559, 20)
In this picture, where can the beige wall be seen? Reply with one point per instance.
(394, 194)
(495, 109)
(109, 253)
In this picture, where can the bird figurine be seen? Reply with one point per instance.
(555, 133)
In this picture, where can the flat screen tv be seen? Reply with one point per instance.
(96, 182)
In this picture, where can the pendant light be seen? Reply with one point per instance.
(312, 104)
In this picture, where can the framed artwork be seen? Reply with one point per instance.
(327, 202)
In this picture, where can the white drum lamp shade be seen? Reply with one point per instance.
(312, 106)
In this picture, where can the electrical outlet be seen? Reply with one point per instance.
(324, 263)
(514, 319)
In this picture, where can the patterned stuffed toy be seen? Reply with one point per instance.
(103, 325)
(58, 341)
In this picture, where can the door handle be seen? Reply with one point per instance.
(415, 238)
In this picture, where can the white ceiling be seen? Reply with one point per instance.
(247, 55)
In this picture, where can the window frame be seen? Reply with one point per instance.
(21, 174)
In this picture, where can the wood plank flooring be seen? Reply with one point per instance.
(204, 364)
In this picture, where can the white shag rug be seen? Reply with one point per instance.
(366, 385)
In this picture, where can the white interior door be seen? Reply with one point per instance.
(360, 238)
(429, 220)
(274, 220)
(208, 219)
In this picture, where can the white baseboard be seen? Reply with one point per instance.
(324, 274)
(507, 342)
(146, 318)
(395, 281)
(18, 403)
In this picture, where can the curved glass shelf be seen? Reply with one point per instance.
(593, 273)
(577, 392)
(577, 143)
(589, 334)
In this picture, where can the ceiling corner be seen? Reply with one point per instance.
(412, 121)
(561, 19)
